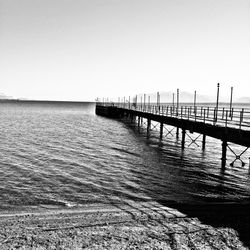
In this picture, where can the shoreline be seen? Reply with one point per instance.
(145, 225)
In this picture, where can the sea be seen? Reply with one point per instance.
(62, 155)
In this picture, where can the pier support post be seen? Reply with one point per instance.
(183, 138)
(177, 132)
(139, 122)
(161, 130)
(148, 127)
(203, 142)
(224, 154)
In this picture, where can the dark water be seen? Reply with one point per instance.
(63, 155)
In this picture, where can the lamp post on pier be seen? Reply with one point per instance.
(159, 102)
(217, 102)
(194, 100)
(148, 102)
(177, 111)
(231, 102)
(177, 108)
(144, 102)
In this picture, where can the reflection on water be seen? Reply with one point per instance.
(192, 175)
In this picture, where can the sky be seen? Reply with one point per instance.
(77, 50)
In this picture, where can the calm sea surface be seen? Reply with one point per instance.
(63, 155)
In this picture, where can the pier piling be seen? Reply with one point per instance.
(139, 122)
(224, 154)
(177, 132)
(203, 142)
(183, 138)
(148, 127)
(161, 130)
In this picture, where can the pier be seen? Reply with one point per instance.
(229, 125)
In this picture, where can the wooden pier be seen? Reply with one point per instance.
(226, 124)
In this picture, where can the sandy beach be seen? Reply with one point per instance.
(147, 225)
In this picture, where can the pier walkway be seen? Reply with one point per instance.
(226, 124)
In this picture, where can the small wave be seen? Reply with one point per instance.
(68, 204)
(59, 203)
(126, 151)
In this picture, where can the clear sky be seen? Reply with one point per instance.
(83, 49)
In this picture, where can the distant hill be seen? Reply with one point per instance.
(184, 97)
(243, 99)
(5, 97)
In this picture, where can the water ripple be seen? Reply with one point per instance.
(54, 155)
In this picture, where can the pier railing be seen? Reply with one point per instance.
(222, 116)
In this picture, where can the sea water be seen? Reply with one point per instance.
(59, 154)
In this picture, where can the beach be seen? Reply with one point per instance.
(132, 225)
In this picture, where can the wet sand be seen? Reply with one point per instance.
(148, 225)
